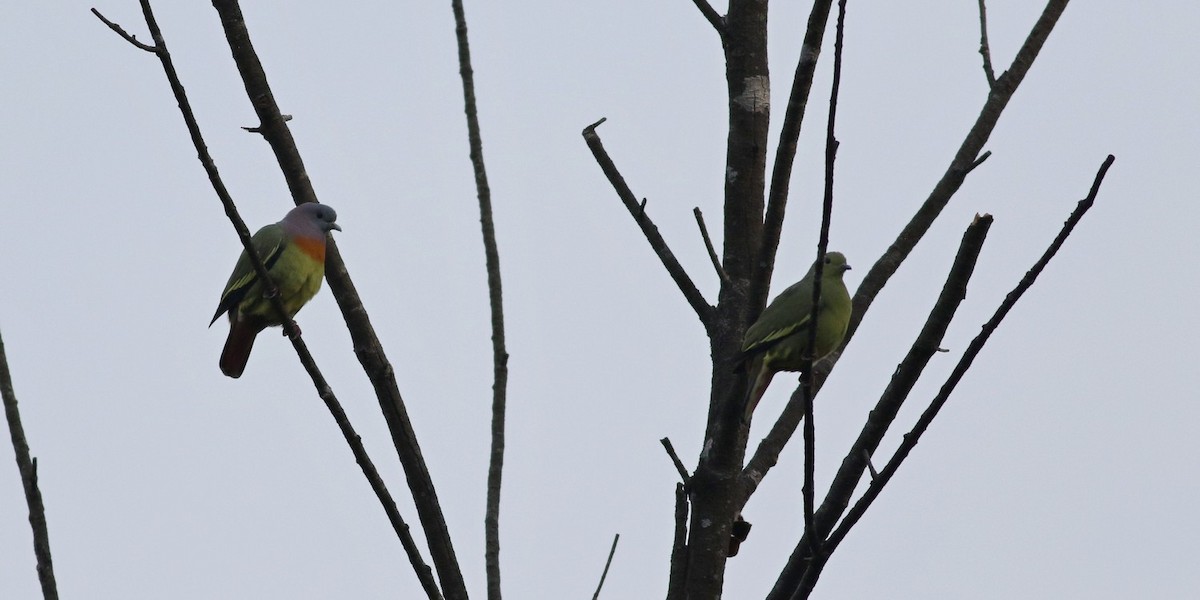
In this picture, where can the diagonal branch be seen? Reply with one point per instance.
(706, 9)
(804, 565)
(964, 363)
(708, 245)
(323, 388)
(27, 466)
(962, 164)
(367, 347)
(132, 39)
(491, 519)
(703, 309)
(785, 152)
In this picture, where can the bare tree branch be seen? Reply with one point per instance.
(807, 382)
(323, 389)
(984, 49)
(910, 440)
(607, 564)
(713, 17)
(714, 487)
(367, 347)
(966, 160)
(491, 520)
(703, 309)
(708, 245)
(132, 39)
(963, 162)
(27, 466)
(785, 152)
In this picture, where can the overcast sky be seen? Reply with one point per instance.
(1064, 466)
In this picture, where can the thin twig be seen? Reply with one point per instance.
(683, 472)
(367, 347)
(323, 389)
(491, 520)
(27, 466)
(132, 39)
(703, 309)
(713, 16)
(607, 564)
(712, 253)
(964, 363)
(984, 48)
(785, 152)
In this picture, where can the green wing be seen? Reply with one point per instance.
(788, 314)
(269, 242)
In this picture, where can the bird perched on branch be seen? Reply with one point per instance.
(778, 340)
(293, 251)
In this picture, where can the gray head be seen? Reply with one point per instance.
(310, 219)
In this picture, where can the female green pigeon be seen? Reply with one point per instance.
(778, 340)
(293, 250)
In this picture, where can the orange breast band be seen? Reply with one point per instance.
(314, 248)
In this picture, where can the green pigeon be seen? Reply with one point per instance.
(778, 340)
(293, 250)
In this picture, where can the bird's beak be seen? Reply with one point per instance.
(848, 267)
(335, 226)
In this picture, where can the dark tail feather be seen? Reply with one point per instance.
(237, 347)
(759, 379)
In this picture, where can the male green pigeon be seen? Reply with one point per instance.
(293, 250)
(778, 340)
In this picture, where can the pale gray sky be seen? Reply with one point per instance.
(1063, 467)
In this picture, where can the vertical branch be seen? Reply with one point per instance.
(367, 347)
(808, 384)
(28, 468)
(785, 152)
(715, 484)
(491, 520)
